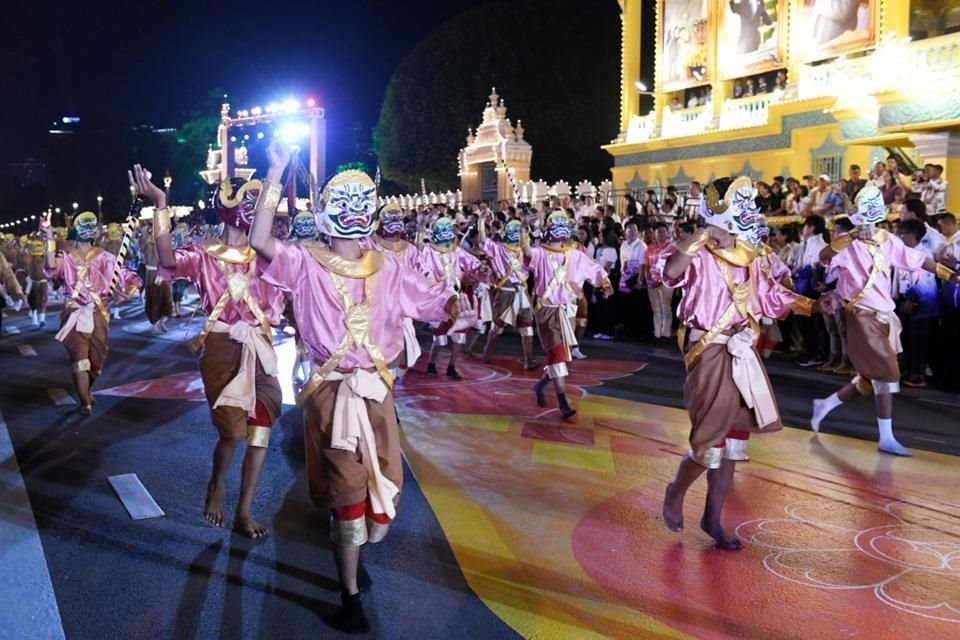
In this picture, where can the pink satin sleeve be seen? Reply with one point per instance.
(188, 264)
(583, 269)
(778, 268)
(773, 299)
(684, 279)
(422, 298)
(287, 266)
(130, 282)
(903, 257)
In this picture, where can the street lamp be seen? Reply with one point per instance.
(642, 89)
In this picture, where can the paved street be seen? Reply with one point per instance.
(83, 564)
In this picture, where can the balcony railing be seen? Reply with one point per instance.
(931, 65)
(686, 122)
(747, 112)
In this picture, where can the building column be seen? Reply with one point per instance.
(942, 148)
(630, 14)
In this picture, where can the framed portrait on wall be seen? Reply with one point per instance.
(751, 36)
(828, 28)
(685, 44)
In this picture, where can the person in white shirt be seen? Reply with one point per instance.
(805, 278)
(914, 209)
(690, 206)
(632, 257)
(602, 312)
(934, 190)
(948, 373)
(819, 203)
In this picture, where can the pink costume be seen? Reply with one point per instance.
(873, 329)
(242, 307)
(771, 264)
(558, 277)
(510, 276)
(86, 281)
(450, 267)
(727, 391)
(350, 315)
(409, 256)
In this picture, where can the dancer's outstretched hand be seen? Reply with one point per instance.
(140, 181)
(278, 154)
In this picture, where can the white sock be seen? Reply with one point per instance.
(888, 442)
(886, 429)
(831, 403)
(821, 408)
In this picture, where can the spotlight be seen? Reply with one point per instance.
(256, 111)
(311, 103)
(260, 135)
(294, 131)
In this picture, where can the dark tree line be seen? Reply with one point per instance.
(556, 63)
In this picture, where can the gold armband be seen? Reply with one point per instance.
(269, 198)
(840, 243)
(944, 272)
(803, 306)
(51, 245)
(161, 222)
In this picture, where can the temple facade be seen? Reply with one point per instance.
(788, 88)
(494, 148)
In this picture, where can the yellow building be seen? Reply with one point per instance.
(834, 83)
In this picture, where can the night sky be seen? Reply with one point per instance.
(153, 62)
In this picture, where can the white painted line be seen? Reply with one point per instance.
(929, 439)
(60, 397)
(135, 498)
(25, 579)
(26, 350)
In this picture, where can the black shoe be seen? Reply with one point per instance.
(540, 390)
(431, 369)
(452, 374)
(565, 410)
(351, 618)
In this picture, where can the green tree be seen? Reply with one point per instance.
(555, 62)
(188, 148)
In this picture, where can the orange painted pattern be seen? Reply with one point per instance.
(557, 526)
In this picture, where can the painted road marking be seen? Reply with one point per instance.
(60, 397)
(135, 498)
(25, 579)
(26, 350)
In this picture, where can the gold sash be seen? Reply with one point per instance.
(515, 268)
(357, 320)
(238, 289)
(83, 281)
(740, 304)
(559, 277)
(878, 268)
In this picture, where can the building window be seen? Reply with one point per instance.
(831, 165)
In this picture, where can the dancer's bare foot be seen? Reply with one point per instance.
(673, 509)
(246, 525)
(723, 539)
(213, 507)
